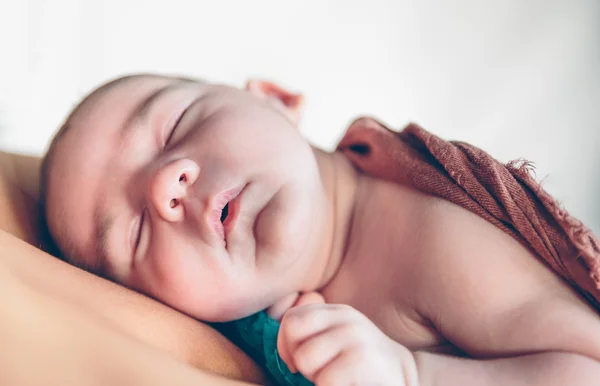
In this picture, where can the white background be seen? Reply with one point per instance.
(517, 78)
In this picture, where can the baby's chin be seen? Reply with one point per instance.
(279, 308)
(221, 312)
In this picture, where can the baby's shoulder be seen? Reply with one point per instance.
(432, 238)
(490, 295)
(436, 238)
(475, 284)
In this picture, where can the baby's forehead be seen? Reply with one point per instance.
(122, 89)
(125, 92)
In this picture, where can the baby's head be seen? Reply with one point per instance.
(203, 196)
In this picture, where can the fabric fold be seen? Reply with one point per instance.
(506, 195)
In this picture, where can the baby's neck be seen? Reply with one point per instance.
(340, 180)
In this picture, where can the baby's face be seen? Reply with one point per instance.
(199, 195)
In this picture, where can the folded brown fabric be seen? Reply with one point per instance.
(505, 195)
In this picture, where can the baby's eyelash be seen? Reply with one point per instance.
(139, 232)
(177, 121)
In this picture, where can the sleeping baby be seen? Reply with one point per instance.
(398, 259)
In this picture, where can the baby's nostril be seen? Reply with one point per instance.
(173, 203)
(182, 178)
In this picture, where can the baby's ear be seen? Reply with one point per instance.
(287, 102)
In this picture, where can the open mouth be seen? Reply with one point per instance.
(226, 206)
(224, 213)
(230, 213)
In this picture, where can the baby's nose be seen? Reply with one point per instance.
(169, 188)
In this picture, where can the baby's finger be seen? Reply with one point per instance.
(309, 298)
(284, 352)
(283, 337)
(301, 323)
(343, 370)
(315, 353)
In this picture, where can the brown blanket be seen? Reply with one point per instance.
(505, 195)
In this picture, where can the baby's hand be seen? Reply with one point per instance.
(334, 344)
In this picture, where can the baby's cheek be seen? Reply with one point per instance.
(206, 287)
(206, 295)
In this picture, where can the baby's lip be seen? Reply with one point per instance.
(232, 213)
(218, 203)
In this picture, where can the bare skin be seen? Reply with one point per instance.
(51, 339)
(403, 275)
(82, 307)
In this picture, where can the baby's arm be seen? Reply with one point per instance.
(547, 369)
(495, 301)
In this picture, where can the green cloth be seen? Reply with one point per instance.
(257, 336)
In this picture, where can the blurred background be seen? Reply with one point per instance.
(518, 78)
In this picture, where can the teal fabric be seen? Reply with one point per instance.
(257, 336)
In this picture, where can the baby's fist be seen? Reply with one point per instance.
(334, 344)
